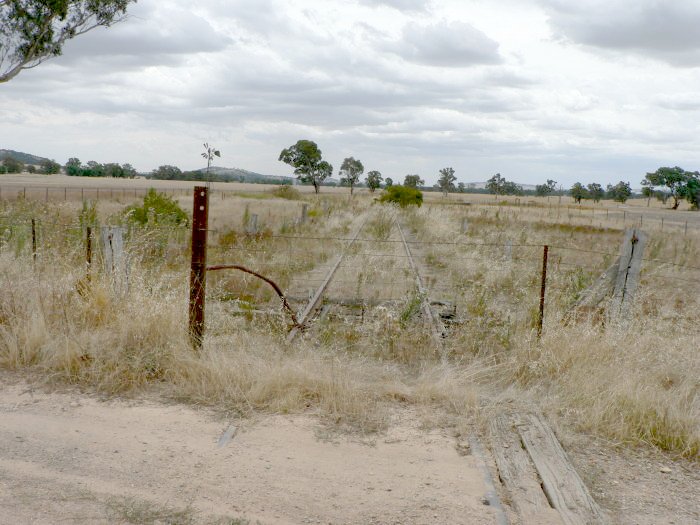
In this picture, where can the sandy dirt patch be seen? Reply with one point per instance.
(71, 458)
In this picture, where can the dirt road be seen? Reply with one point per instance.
(71, 458)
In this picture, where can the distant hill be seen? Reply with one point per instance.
(241, 175)
(24, 158)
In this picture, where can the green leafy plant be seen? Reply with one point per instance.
(403, 196)
(157, 208)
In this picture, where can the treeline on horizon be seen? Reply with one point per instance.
(675, 184)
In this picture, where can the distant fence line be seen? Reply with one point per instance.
(623, 217)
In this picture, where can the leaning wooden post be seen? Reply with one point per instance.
(198, 269)
(543, 289)
(304, 211)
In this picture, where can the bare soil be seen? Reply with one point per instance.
(69, 457)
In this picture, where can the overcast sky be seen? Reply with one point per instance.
(574, 90)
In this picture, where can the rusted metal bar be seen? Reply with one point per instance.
(34, 241)
(272, 283)
(88, 252)
(543, 290)
(198, 267)
(438, 329)
(316, 299)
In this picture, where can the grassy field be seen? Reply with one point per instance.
(633, 383)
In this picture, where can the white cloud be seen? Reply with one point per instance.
(664, 30)
(445, 44)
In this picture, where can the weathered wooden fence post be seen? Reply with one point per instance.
(628, 273)
(115, 263)
(304, 212)
(543, 289)
(198, 268)
(252, 226)
(465, 225)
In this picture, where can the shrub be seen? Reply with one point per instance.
(287, 192)
(157, 208)
(403, 196)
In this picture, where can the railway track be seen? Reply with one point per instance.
(372, 270)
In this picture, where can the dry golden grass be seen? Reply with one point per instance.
(633, 383)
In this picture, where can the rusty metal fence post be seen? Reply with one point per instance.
(543, 289)
(198, 268)
(88, 253)
(33, 241)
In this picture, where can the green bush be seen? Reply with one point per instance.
(287, 192)
(403, 196)
(157, 208)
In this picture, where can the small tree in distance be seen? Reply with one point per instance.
(578, 192)
(620, 192)
(373, 180)
(544, 190)
(308, 164)
(388, 182)
(595, 191)
(350, 172)
(413, 181)
(447, 179)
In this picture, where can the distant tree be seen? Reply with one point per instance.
(73, 166)
(544, 190)
(388, 182)
(692, 193)
(461, 188)
(166, 172)
(308, 163)
(620, 192)
(595, 191)
(128, 171)
(578, 192)
(12, 165)
(498, 185)
(373, 180)
(32, 31)
(674, 179)
(31, 168)
(403, 196)
(413, 181)
(112, 169)
(447, 179)
(350, 172)
(93, 169)
(50, 167)
(3, 169)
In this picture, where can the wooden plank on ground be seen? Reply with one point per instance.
(518, 475)
(562, 485)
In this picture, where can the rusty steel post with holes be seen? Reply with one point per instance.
(543, 289)
(198, 269)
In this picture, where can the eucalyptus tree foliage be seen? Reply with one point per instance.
(32, 31)
(350, 172)
(374, 180)
(308, 163)
(447, 179)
